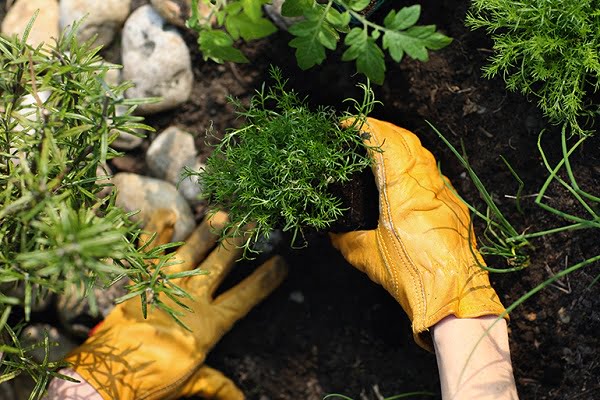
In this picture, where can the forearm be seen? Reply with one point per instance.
(60, 389)
(474, 364)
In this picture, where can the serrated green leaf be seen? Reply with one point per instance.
(335, 18)
(234, 7)
(253, 9)
(357, 5)
(392, 41)
(218, 46)
(420, 32)
(405, 18)
(295, 8)
(309, 52)
(369, 57)
(415, 42)
(303, 28)
(437, 41)
(240, 25)
(328, 37)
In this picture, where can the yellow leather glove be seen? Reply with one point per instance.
(420, 251)
(129, 357)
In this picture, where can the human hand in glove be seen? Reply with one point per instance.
(423, 250)
(129, 357)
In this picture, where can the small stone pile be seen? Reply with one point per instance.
(157, 60)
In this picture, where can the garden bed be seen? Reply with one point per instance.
(348, 335)
(329, 329)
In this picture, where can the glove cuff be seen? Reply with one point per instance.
(487, 303)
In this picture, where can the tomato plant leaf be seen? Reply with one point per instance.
(369, 57)
(218, 46)
(405, 18)
(309, 52)
(295, 8)
(241, 25)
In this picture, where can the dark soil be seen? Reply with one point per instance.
(329, 329)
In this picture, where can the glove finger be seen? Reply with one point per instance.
(200, 242)
(357, 247)
(218, 264)
(209, 383)
(239, 300)
(162, 223)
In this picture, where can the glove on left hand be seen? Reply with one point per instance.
(130, 357)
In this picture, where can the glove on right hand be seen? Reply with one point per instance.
(420, 251)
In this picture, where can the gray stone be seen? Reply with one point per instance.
(75, 314)
(103, 172)
(127, 141)
(40, 297)
(46, 24)
(102, 18)
(168, 155)
(60, 344)
(136, 192)
(157, 60)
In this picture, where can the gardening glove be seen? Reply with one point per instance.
(423, 250)
(129, 357)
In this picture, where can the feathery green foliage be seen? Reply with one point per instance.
(549, 49)
(322, 26)
(275, 170)
(57, 118)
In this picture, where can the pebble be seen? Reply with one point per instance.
(102, 171)
(45, 26)
(102, 18)
(75, 314)
(156, 59)
(297, 297)
(127, 141)
(136, 192)
(40, 297)
(33, 334)
(171, 151)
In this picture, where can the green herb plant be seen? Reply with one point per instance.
(322, 26)
(546, 49)
(57, 118)
(275, 171)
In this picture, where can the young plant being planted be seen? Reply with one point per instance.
(281, 168)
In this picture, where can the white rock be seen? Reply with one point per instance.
(168, 155)
(103, 172)
(46, 24)
(103, 18)
(126, 140)
(135, 192)
(157, 60)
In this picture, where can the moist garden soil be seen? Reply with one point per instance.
(328, 328)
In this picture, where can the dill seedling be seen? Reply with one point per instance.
(548, 49)
(275, 170)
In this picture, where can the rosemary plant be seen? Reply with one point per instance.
(548, 49)
(57, 118)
